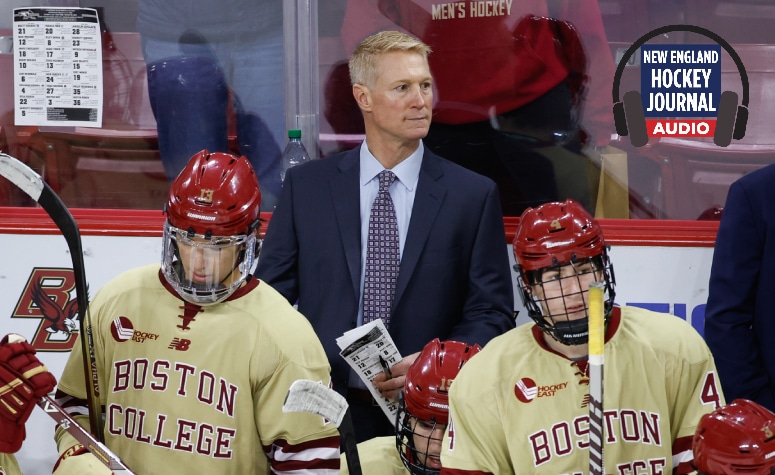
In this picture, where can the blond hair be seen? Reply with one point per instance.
(363, 63)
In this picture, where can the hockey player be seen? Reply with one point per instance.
(521, 406)
(195, 356)
(422, 415)
(737, 438)
(23, 381)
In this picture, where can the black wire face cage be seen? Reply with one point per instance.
(405, 442)
(556, 311)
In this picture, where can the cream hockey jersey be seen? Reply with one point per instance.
(520, 407)
(189, 389)
(378, 456)
(8, 465)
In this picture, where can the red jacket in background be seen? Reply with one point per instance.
(485, 61)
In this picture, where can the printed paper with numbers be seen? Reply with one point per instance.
(361, 348)
(57, 67)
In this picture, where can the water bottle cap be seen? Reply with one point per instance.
(294, 134)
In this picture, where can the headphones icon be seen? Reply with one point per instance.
(629, 117)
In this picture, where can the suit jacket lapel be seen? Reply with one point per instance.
(427, 203)
(345, 193)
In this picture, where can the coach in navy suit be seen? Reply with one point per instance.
(454, 280)
(740, 315)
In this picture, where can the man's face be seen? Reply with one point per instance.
(563, 290)
(402, 96)
(427, 442)
(208, 264)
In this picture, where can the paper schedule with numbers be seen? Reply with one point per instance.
(57, 67)
(362, 348)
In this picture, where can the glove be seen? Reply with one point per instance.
(23, 381)
(77, 460)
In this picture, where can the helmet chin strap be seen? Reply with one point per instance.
(574, 332)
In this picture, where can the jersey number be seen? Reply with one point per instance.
(710, 393)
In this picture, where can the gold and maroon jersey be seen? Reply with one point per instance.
(190, 389)
(8, 465)
(520, 407)
(378, 456)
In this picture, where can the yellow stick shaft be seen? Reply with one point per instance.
(596, 320)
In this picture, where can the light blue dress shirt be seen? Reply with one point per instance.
(402, 192)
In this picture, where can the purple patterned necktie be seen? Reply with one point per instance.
(383, 255)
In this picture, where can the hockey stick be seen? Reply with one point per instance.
(596, 344)
(26, 179)
(83, 436)
(305, 395)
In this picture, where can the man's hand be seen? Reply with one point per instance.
(391, 387)
(23, 381)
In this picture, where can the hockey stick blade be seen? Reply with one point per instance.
(309, 396)
(26, 179)
(83, 436)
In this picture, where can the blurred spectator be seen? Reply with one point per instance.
(516, 98)
(200, 56)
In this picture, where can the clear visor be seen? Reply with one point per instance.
(206, 270)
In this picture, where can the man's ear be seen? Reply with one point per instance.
(362, 97)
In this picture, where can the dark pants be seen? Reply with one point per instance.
(369, 420)
(190, 98)
(528, 170)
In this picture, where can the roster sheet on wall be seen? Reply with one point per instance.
(57, 67)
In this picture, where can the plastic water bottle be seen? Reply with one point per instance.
(295, 153)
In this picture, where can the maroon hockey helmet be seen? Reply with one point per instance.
(550, 236)
(425, 399)
(556, 233)
(737, 438)
(210, 235)
(426, 390)
(216, 194)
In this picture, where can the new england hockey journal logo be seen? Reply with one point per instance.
(680, 92)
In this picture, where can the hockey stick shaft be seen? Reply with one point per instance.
(596, 361)
(83, 436)
(309, 396)
(349, 444)
(33, 185)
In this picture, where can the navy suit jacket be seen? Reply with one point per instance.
(740, 315)
(454, 281)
